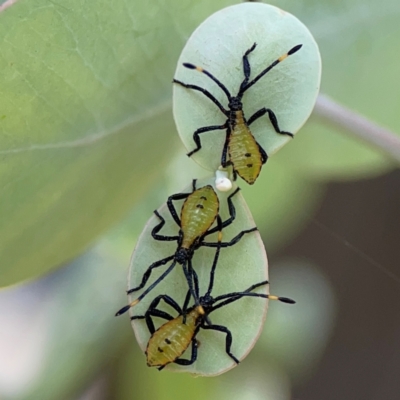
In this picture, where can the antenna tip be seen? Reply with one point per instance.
(286, 300)
(188, 65)
(127, 307)
(295, 48)
(122, 310)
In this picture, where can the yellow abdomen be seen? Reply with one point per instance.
(198, 214)
(243, 150)
(171, 340)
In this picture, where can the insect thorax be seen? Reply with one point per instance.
(206, 302)
(235, 104)
(182, 255)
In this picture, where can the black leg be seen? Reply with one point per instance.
(272, 65)
(206, 93)
(264, 155)
(152, 311)
(234, 175)
(156, 313)
(272, 118)
(186, 302)
(232, 215)
(154, 284)
(232, 242)
(232, 209)
(148, 317)
(216, 256)
(158, 227)
(195, 286)
(189, 279)
(168, 300)
(228, 340)
(138, 317)
(196, 136)
(256, 115)
(246, 66)
(171, 208)
(195, 279)
(147, 274)
(225, 163)
(193, 358)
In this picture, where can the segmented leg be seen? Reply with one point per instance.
(193, 286)
(149, 321)
(272, 118)
(246, 66)
(232, 215)
(206, 93)
(232, 242)
(216, 256)
(186, 302)
(181, 361)
(171, 208)
(264, 155)
(158, 227)
(176, 197)
(225, 163)
(147, 274)
(189, 278)
(272, 65)
(195, 279)
(168, 300)
(193, 358)
(154, 284)
(196, 136)
(228, 340)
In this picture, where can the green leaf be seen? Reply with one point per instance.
(217, 45)
(239, 267)
(85, 123)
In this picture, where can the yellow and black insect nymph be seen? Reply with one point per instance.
(198, 213)
(245, 155)
(168, 343)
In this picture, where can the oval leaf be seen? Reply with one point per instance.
(218, 45)
(239, 267)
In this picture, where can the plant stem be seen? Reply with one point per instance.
(358, 125)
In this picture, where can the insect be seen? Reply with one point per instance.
(245, 155)
(199, 211)
(173, 338)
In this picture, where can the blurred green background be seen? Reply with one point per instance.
(89, 149)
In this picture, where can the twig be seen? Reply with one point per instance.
(357, 124)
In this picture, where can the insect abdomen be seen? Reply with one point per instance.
(171, 340)
(198, 214)
(243, 150)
